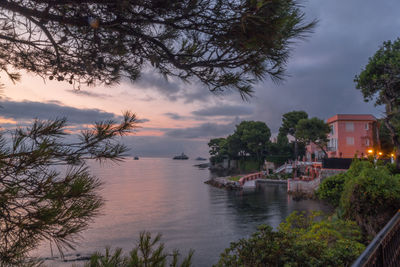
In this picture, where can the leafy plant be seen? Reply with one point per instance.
(313, 130)
(379, 82)
(371, 195)
(302, 240)
(331, 189)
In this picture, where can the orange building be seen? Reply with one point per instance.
(350, 134)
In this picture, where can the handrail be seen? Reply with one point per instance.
(249, 177)
(384, 249)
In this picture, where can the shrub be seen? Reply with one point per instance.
(249, 165)
(264, 248)
(371, 196)
(331, 189)
(148, 253)
(300, 241)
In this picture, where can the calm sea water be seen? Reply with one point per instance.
(169, 196)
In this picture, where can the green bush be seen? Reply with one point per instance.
(367, 193)
(300, 241)
(331, 189)
(235, 178)
(249, 165)
(371, 196)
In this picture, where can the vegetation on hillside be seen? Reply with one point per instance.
(302, 240)
(250, 143)
(379, 82)
(367, 193)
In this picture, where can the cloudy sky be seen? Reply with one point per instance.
(179, 117)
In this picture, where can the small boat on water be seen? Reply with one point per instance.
(136, 158)
(200, 158)
(181, 156)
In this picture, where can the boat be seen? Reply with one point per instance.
(181, 156)
(200, 158)
(136, 158)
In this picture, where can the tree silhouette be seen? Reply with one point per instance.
(222, 43)
(46, 190)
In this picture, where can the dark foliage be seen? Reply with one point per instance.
(148, 253)
(46, 190)
(300, 241)
(222, 43)
(379, 82)
(331, 189)
(371, 196)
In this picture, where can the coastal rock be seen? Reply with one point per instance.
(223, 182)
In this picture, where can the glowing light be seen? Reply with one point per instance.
(380, 153)
(370, 151)
(392, 155)
(94, 22)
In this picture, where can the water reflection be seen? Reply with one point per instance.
(170, 197)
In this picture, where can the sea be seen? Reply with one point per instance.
(167, 196)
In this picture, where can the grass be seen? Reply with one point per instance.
(235, 178)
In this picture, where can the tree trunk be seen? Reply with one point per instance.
(395, 140)
(323, 150)
(397, 159)
(390, 113)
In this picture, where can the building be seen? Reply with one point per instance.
(351, 134)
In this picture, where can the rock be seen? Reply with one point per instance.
(223, 182)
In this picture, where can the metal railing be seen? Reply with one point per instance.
(384, 250)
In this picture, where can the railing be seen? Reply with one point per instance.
(250, 177)
(384, 250)
(281, 168)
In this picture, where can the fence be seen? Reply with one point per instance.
(336, 163)
(384, 250)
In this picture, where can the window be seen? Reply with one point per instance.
(332, 145)
(349, 127)
(366, 126)
(332, 129)
(350, 141)
(367, 142)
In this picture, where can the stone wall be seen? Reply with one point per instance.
(306, 187)
(330, 172)
(271, 181)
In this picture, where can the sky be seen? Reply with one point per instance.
(180, 117)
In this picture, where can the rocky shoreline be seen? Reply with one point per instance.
(225, 182)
